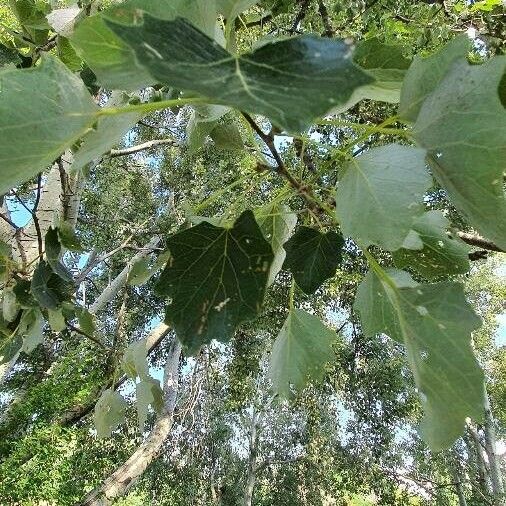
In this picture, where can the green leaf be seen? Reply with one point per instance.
(109, 413)
(232, 8)
(313, 257)
(299, 353)
(5, 261)
(434, 322)
(67, 54)
(440, 254)
(216, 279)
(53, 251)
(292, 81)
(148, 392)
(111, 59)
(134, 361)
(369, 205)
(10, 306)
(462, 124)
(48, 288)
(68, 237)
(62, 20)
(31, 14)
(227, 136)
(386, 64)
(202, 122)
(31, 328)
(56, 320)
(277, 224)
(139, 273)
(86, 321)
(106, 133)
(425, 74)
(8, 56)
(23, 294)
(50, 103)
(10, 346)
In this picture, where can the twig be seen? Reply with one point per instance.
(81, 332)
(303, 190)
(324, 13)
(9, 221)
(34, 214)
(141, 147)
(96, 260)
(479, 242)
(304, 4)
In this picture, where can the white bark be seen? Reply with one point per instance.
(493, 459)
(252, 459)
(120, 280)
(120, 481)
(483, 470)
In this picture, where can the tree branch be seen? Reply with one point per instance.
(141, 147)
(77, 413)
(304, 4)
(303, 190)
(479, 242)
(324, 13)
(120, 481)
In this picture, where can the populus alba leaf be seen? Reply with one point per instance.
(300, 351)
(291, 81)
(53, 251)
(381, 193)
(109, 413)
(134, 360)
(313, 257)
(48, 288)
(277, 223)
(106, 133)
(434, 322)
(216, 278)
(43, 110)
(440, 254)
(425, 74)
(462, 124)
(148, 393)
(111, 59)
(386, 64)
(31, 328)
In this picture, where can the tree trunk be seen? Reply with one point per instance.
(493, 459)
(120, 481)
(120, 280)
(456, 472)
(252, 460)
(78, 412)
(477, 450)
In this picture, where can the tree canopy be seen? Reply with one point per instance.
(252, 252)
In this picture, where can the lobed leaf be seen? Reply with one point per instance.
(291, 81)
(313, 257)
(43, 110)
(299, 353)
(216, 278)
(381, 193)
(434, 322)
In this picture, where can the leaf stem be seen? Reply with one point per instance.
(380, 272)
(362, 126)
(292, 294)
(151, 106)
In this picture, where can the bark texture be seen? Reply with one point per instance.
(120, 481)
